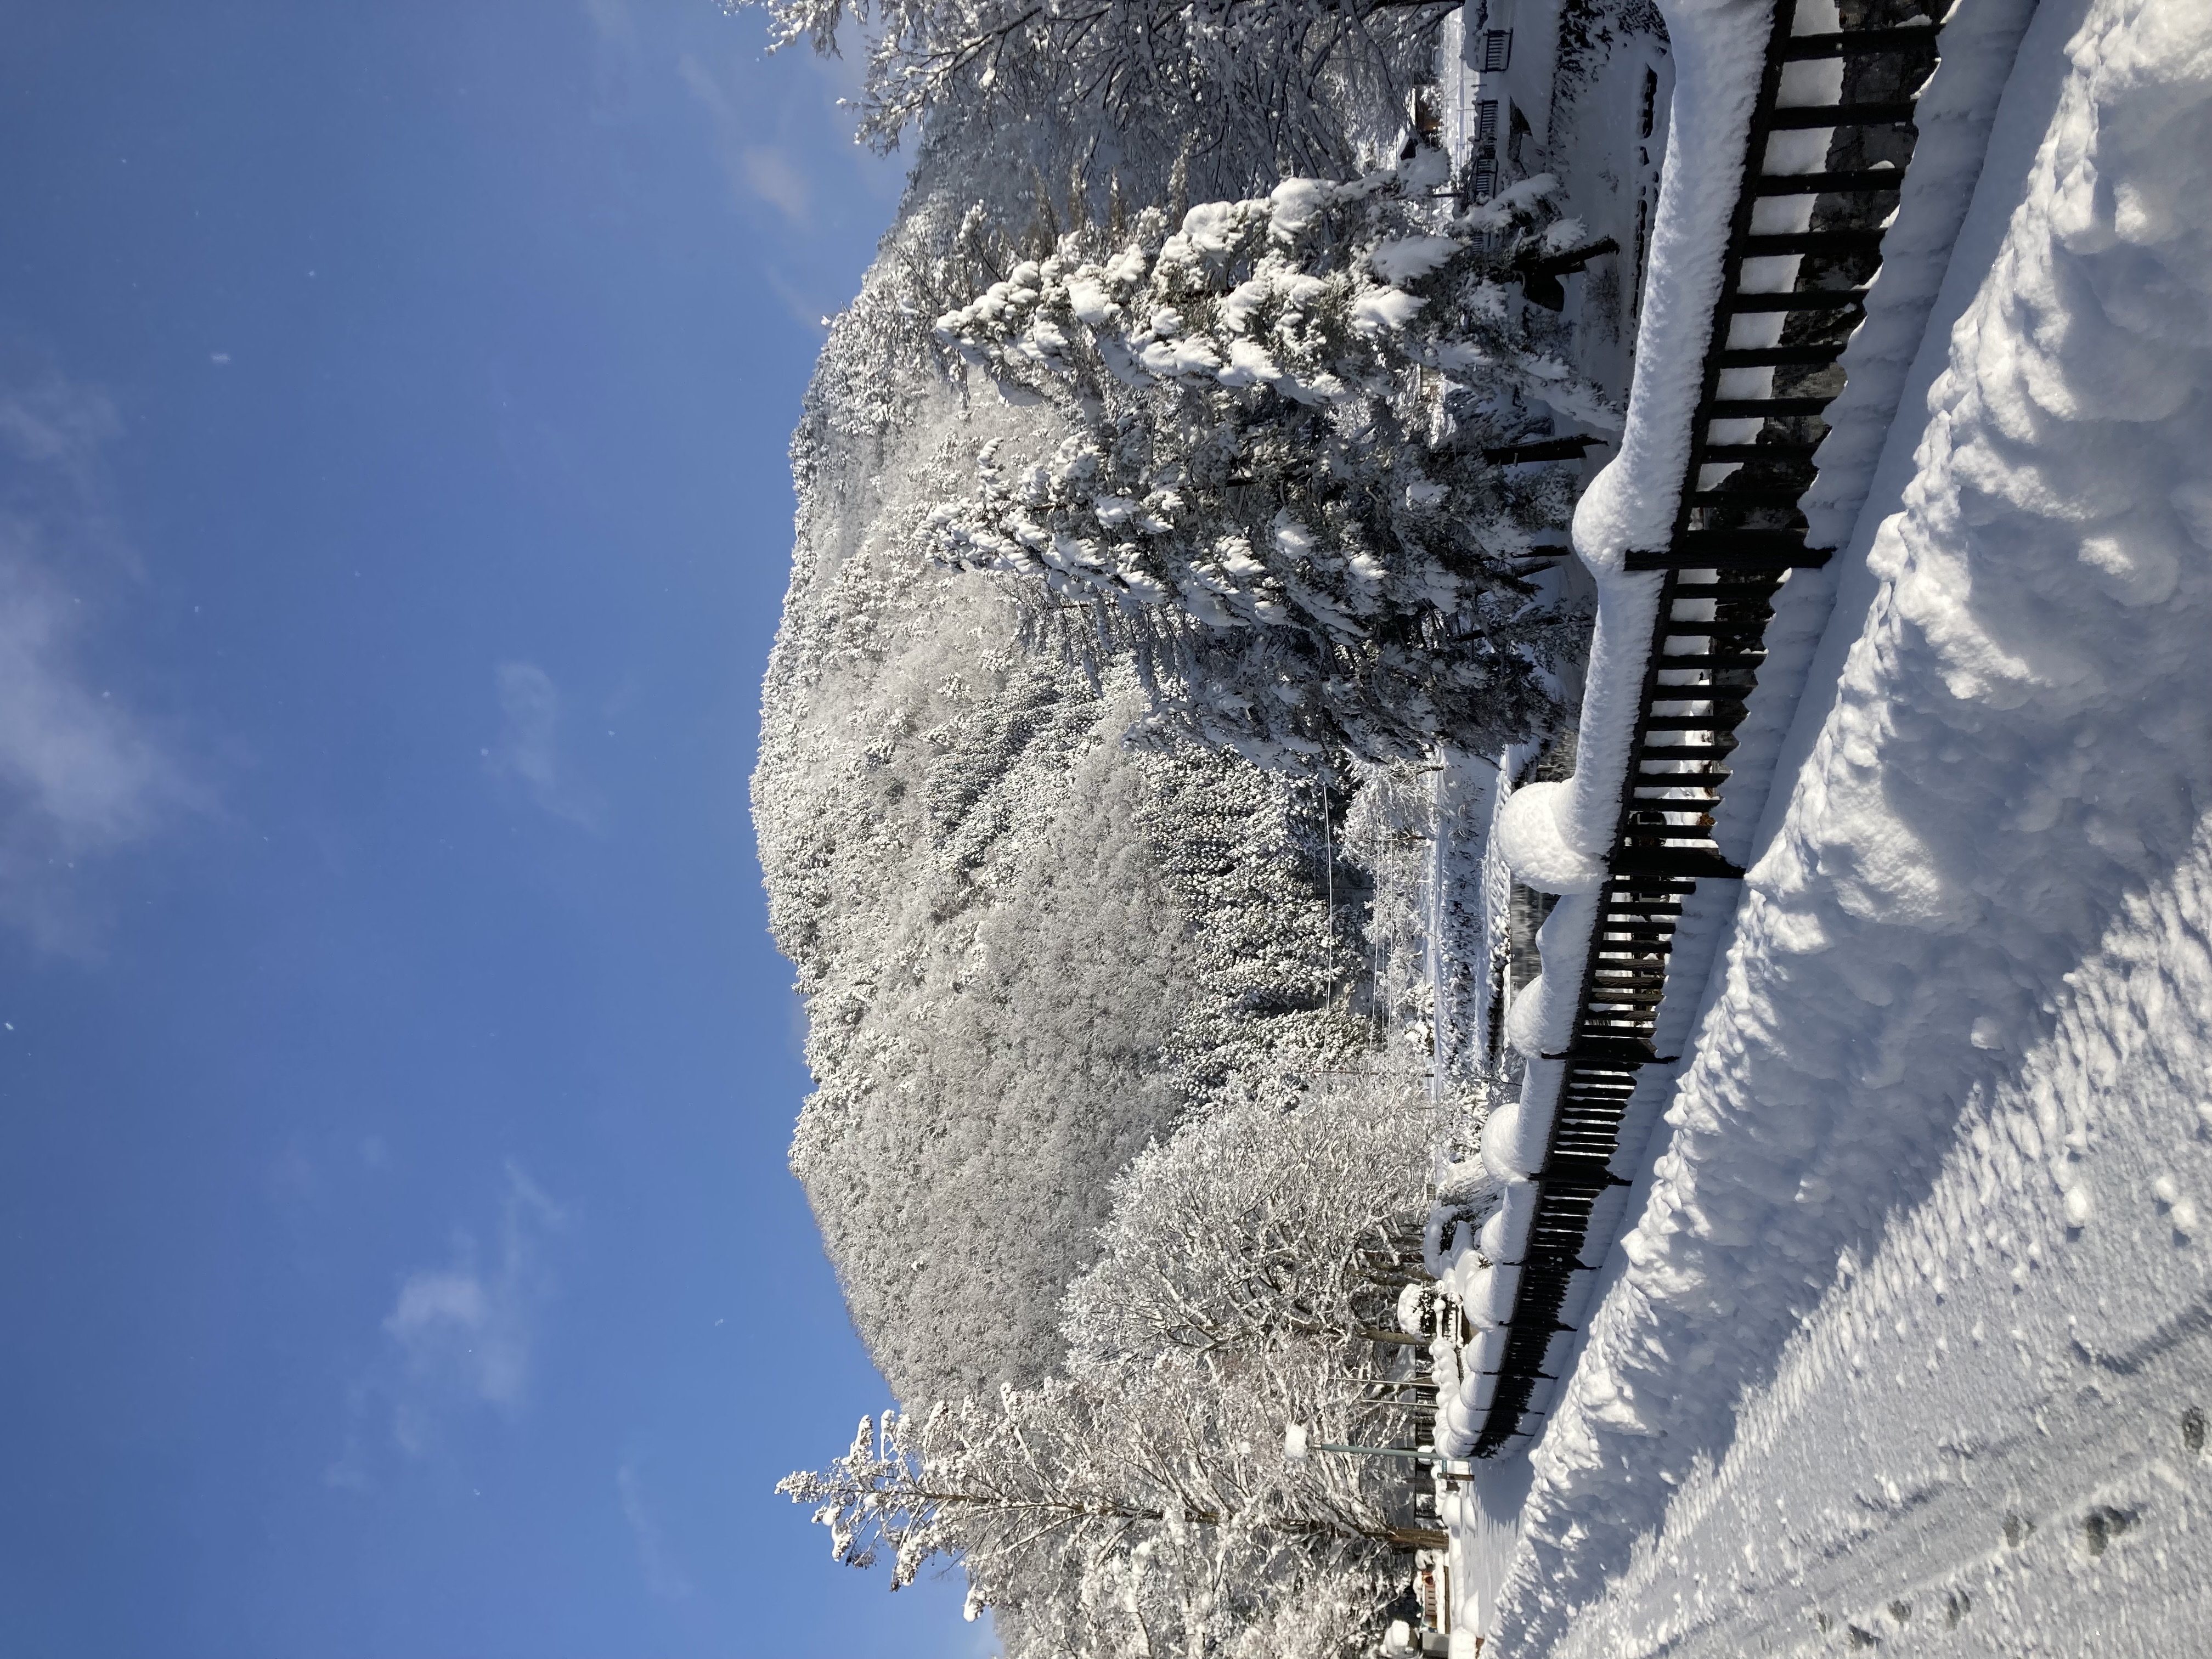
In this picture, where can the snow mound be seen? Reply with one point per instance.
(2054, 1275)
(1534, 844)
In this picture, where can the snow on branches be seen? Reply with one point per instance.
(1155, 1515)
(1286, 79)
(1266, 496)
(1139, 1502)
(1253, 1222)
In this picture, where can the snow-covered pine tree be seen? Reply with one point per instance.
(1291, 81)
(1264, 498)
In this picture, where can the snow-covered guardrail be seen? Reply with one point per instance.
(1787, 152)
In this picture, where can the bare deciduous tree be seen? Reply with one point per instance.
(1154, 1514)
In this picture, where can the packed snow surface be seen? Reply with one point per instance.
(1959, 1035)
(1991, 1438)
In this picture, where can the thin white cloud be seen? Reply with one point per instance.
(614, 60)
(773, 177)
(790, 152)
(460, 1337)
(612, 21)
(81, 775)
(454, 1323)
(663, 1577)
(756, 171)
(804, 306)
(349, 1472)
(529, 751)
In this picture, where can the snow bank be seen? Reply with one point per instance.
(1492, 901)
(1886, 360)
(2021, 741)
(1953, 114)
(1982, 1443)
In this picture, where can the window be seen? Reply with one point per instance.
(1485, 126)
(1486, 179)
(1496, 50)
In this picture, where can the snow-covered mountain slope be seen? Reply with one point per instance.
(989, 900)
(1980, 906)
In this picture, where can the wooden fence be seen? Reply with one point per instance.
(1735, 538)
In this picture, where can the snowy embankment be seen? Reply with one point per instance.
(1953, 115)
(2012, 775)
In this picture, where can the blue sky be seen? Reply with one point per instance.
(395, 1072)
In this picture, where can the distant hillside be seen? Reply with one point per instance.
(992, 902)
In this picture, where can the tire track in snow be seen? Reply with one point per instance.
(1990, 1425)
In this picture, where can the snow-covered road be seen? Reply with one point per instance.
(1992, 1438)
(1960, 1031)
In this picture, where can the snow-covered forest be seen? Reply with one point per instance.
(1485, 772)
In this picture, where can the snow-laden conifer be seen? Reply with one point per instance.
(1266, 496)
(1289, 79)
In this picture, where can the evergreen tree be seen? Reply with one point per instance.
(1289, 81)
(1265, 498)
